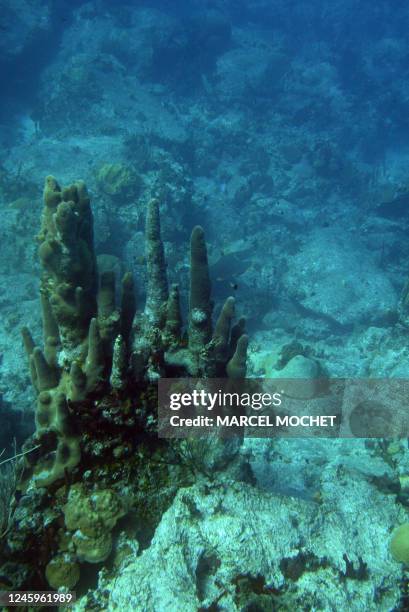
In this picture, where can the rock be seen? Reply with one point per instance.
(331, 280)
(299, 367)
(238, 546)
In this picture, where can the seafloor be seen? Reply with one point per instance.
(281, 128)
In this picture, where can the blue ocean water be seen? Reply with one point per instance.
(280, 128)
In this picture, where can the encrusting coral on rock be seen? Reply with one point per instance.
(95, 380)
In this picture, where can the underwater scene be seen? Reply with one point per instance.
(204, 305)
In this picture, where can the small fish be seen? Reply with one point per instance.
(231, 284)
(20, 204)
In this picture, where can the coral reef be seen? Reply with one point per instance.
(282, 127)
(95, 381)
(119, 181)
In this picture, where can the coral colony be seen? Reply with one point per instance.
(95, 383)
